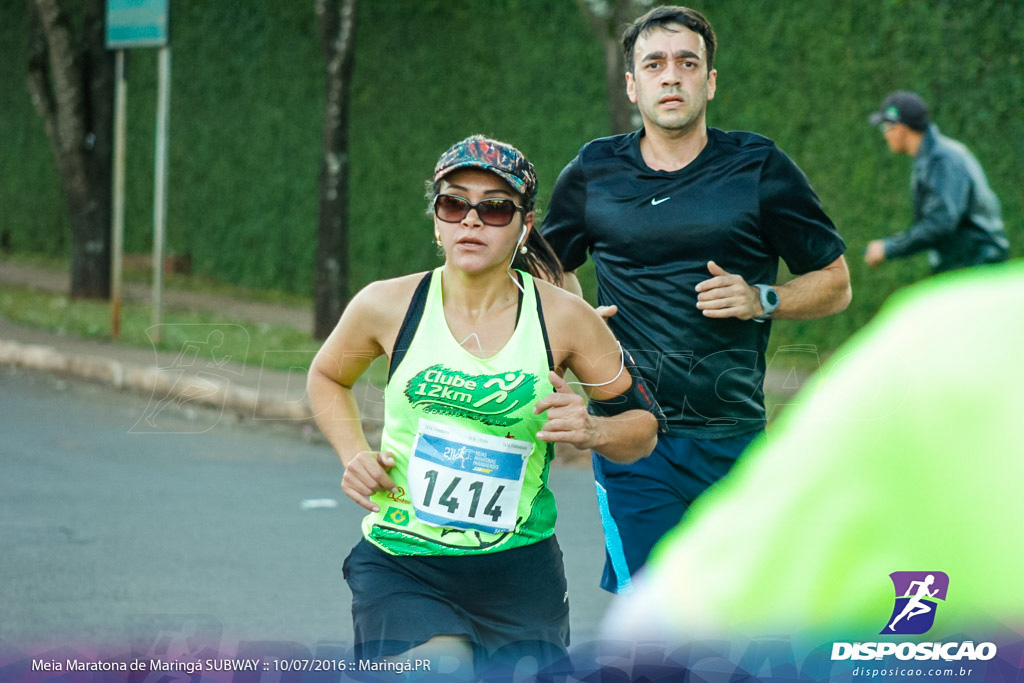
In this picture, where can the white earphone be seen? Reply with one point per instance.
(515, 280)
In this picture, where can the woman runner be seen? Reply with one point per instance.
(458, 561)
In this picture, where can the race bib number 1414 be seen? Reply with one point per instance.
(466, 480)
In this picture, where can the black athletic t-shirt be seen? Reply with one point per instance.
(741, 203)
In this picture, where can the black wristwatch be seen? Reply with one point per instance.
(769, 302)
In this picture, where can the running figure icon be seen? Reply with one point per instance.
(915, 605)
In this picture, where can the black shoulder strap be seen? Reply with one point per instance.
(543, 328)
(409, 325)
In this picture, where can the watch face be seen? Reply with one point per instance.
(773, 297)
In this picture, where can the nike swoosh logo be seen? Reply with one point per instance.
(655, 202)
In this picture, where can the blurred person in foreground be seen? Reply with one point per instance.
(686, 226)
(904, 456)
(957, 217)
(458, 561)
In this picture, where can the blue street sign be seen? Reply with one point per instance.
(136, 23)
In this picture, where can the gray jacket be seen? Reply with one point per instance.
(956, 214)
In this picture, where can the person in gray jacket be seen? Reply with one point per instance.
(956, 214)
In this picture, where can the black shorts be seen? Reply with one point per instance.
(510, 604)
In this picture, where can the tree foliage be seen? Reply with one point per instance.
(249, 103)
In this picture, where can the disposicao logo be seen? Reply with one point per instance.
(917, 596)
(913, 613)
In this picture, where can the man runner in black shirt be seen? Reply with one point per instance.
(686, 226)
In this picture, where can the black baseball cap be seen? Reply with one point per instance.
(903, 107)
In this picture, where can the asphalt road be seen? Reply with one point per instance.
(210, 529)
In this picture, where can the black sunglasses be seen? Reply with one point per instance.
(499, 212)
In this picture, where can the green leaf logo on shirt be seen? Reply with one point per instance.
(487, 398)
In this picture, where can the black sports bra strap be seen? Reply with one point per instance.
(409, 325)
(543, 329)
(415, 313)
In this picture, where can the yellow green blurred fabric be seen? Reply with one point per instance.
(906, 454)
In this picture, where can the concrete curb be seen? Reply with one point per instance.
(209, 390)
(253, 399)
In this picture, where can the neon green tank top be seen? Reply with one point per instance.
(904, 458)
(471, 474)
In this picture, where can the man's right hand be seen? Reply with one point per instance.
(571, 283)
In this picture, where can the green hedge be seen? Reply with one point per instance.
(247, 99)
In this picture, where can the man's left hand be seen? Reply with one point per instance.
(726, 295)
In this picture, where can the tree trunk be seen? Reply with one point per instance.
(620, 109)
(72, 87)
(331, 286)
(608, 18)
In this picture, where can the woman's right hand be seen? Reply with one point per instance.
(365, 474)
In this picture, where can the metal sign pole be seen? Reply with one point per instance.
(117, 229)
(160, 185)
(131, 24)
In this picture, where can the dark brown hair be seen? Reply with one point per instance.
(661, 17)
(539, 259)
